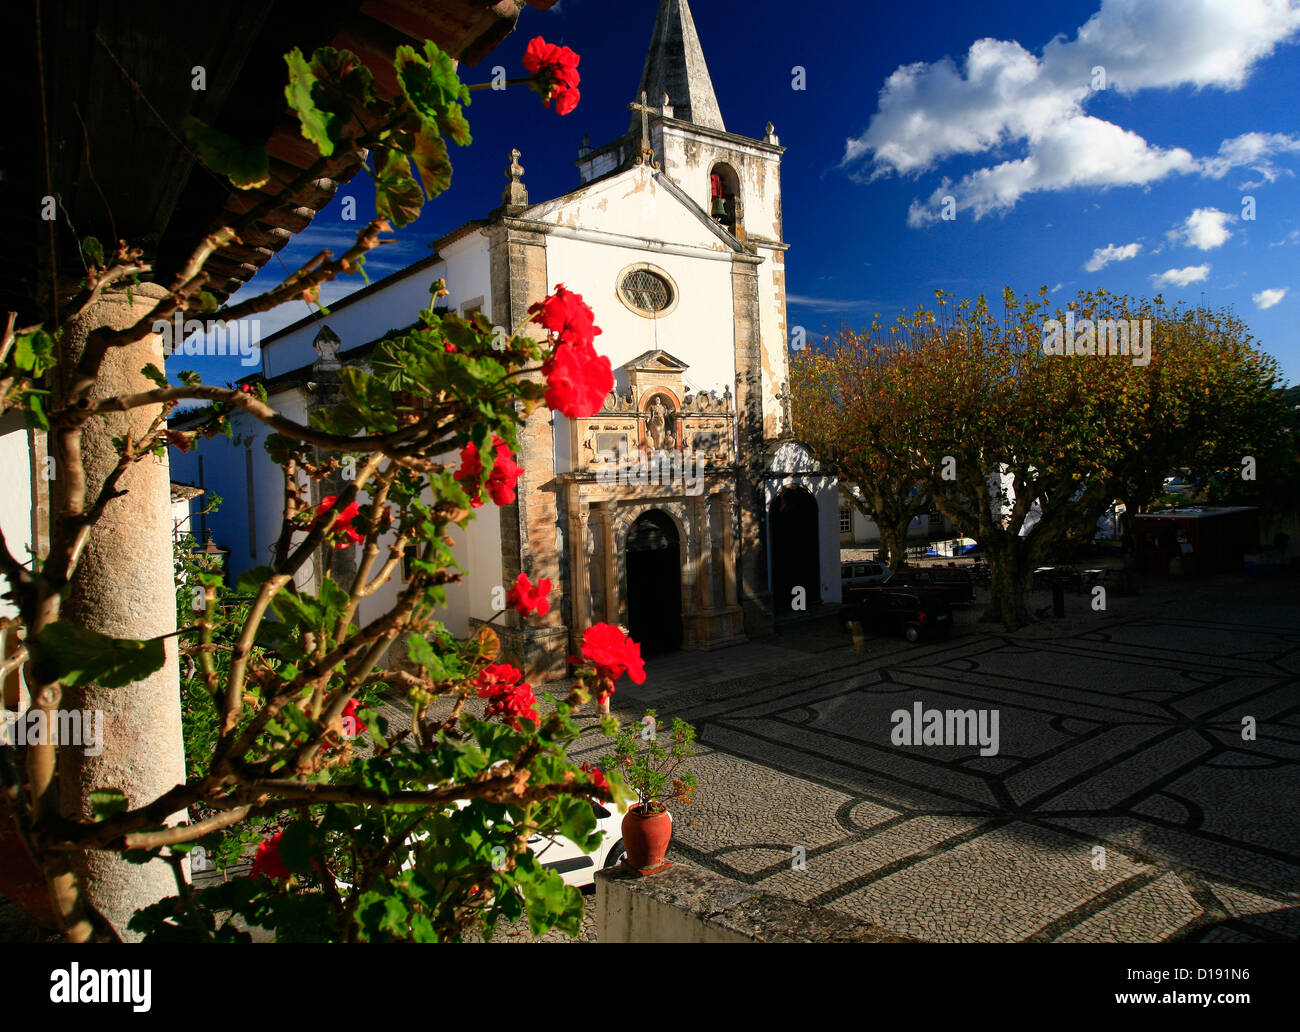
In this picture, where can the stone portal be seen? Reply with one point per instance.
(654, 583)
(792, 524)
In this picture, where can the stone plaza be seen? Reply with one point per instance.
(1124, 804)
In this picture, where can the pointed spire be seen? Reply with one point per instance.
(675, 67)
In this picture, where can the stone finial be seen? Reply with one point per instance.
(327, 345)
(666, 106)
(515, 194)
(770, 136)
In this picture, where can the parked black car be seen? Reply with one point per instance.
(954, 584)
(913, 614)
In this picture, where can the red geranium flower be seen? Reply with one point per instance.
(555, 73)
(505, 473)
(268, 861)
(613, 654)
(529, 599)
(566, 315)
(597, 777)
(501, 482)
(351, 719)
(577, 380)
(506, 698)
(342, 523)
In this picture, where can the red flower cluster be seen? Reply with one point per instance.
(501, 482)
(529, 599)
(268, 861)
(577, 379)
(507, 696)
(613, 654)
(352, 724)
(347, 534)
(555, 73)
(597, 777)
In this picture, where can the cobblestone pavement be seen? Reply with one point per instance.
(1123, 803)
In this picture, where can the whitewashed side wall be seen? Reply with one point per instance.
(15, 496)
(464, 268)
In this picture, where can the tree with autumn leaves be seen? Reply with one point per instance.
(368, 835)
(1023, 449)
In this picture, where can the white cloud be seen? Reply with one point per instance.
(1181, 277)
(1003, 95)
(1253, 151)
(1103, 256)
(1268, 298)
(1205, 228)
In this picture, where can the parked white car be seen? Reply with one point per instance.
(563, 855)
(577, 868)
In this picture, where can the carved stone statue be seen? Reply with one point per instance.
(656, 425)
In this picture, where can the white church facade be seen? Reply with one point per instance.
(684, 510)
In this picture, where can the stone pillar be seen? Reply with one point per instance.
(756, 597)
(728, 552)
(125, 587)
(579, 564)
(529, 525)
(704, 556)
(609, 542)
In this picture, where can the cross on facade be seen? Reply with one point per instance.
(785, 397)
(647, 155)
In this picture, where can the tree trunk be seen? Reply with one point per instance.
(124, 586)
(1010, 581)
(893, 544)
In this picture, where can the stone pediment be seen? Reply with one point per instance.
(655, 361)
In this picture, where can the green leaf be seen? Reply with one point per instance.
(190, 378)
(34, 352)
(304, 94)
(93, 250)
(104, 802)
(75, 656)
(155, 374)
(370, 397)
(397, 194)
(35, 411)
(245, 166)
(208, 301)
(431, 161)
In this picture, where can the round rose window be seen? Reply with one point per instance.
(646, 290)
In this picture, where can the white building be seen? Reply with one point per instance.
(673, 236)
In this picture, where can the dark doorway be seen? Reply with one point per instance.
(654, 584)
(792, 522)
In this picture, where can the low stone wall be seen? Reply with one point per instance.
(688, 904)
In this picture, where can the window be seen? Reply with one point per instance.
(646, 290)
(846, 521)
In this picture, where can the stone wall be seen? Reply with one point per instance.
(688, 904)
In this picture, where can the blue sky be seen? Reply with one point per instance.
(1138, 187)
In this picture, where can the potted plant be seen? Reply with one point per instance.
(650, 761)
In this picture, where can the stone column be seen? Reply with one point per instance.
(609, 541)
(579, 516)
(756, 598)
(530, 525)
(704, 557)
(125, 587)
(728, 552)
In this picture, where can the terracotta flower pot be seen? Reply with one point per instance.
(646, 837)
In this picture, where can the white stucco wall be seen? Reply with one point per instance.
(800, 470)
(16, 496)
